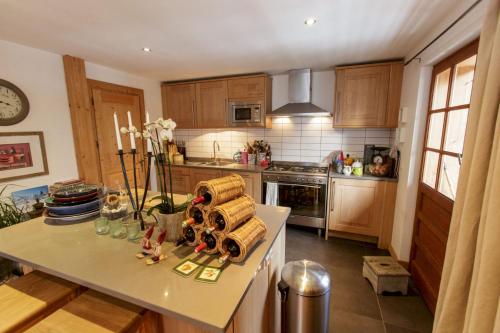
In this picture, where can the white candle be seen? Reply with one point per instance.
(132, 135)
(149, 143)
(117, 132)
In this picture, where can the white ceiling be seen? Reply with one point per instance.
(203, 38)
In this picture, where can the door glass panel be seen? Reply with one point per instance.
(430, 168)
(435, 130)
(440, 90)
(448, 179)
(455, 130)
(462, 82)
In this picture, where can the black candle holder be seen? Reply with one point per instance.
(135, 203)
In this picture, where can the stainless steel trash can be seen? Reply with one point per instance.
(305, 297)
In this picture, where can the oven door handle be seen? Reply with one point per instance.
(303, 185)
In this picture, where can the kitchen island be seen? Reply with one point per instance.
(244, 299)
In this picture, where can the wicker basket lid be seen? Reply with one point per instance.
(306, 278)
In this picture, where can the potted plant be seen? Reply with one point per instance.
(9, 215)
(170, 216)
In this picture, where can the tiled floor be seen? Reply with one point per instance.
(354, 307)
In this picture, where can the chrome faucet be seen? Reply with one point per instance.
(218, 148)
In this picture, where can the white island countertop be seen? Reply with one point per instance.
(74, 252)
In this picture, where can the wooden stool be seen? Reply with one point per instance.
(32, 297)
(385, 274)
(92, 312)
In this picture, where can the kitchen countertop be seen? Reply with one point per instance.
(227, 165)
(333, 174)
(74, 252)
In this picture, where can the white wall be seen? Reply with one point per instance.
(414, 97)
(40, 75)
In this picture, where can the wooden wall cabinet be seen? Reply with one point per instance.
(204, 103)
(246, 88)
(368, 95)
(200, 174)
(179, 104)
(362, 207)
(211, 104)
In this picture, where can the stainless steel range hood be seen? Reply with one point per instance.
(299, 97)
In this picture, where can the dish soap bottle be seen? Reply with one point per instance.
(357, 168)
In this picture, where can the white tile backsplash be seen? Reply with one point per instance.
(292, 139)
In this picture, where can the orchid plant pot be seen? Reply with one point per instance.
(172, 223)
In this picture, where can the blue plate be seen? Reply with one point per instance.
(77, 209)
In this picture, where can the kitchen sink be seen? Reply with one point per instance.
(217, 163)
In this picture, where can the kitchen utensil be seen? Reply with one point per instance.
(347, 170)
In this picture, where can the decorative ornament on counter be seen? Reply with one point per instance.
(158, 135)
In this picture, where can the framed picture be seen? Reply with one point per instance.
(22, 155)
(25, 199)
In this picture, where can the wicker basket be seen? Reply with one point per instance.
(221, 189)
(204, 212)
(235, 212)
(246, 236)
(216, 248)
(197, 230)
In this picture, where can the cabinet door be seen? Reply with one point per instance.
(361, 96)
(246, 88)
(179, 104)
(355, 207)
(180, 180)
(199, 174)
(211, 104)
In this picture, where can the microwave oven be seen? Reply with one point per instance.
(246, 114)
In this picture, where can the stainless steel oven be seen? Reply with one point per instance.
(246, 114)
(305, 195)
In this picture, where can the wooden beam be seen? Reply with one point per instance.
(82, 120)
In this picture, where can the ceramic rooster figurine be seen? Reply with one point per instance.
(157, 254)
(146, 243)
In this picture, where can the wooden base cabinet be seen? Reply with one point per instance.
(362, 207)
(184, 180)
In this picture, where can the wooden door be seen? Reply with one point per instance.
(446, 123)
(246, 88)
(179, 103)
(355, 206)
(361, 96)
(108, 99)
(211, 104)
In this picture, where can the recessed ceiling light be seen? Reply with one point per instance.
(310, 21)
(146, 49)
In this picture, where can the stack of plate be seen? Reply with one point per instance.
(73, 203)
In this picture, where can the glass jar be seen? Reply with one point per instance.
(117, 229)
(101, 225)
(132, 227)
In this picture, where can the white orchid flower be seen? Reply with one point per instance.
(146, 134)
(168, 124)
(138, 135)
(166, 134)
(124, 130)
(159, 121)
(132, 129)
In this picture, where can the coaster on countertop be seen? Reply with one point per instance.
(209, 274)
(186, 267)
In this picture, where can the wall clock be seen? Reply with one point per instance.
(14, 105)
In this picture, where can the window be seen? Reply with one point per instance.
(447, 122)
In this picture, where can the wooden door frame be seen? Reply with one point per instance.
(83, 121)
(446, 203)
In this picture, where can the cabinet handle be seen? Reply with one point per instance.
(193, 112)
(332, 192)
